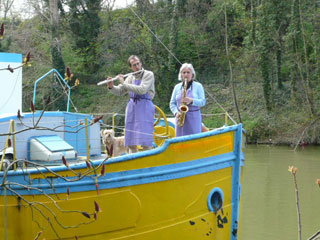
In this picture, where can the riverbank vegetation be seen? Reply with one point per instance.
(258, 60)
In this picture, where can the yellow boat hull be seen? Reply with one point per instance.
(165, 193)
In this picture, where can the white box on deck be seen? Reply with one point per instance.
(50, 149)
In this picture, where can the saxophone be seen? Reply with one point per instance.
(183, 107)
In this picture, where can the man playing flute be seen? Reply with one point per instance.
(140, 108)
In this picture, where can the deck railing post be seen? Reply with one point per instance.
(226, 119)
(14, 145)
(113, 122)
(87, 139)
(6, 145)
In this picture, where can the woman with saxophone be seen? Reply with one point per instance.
(186, 100)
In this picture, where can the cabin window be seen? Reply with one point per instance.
(215, 200)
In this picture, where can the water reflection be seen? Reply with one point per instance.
(268, 193)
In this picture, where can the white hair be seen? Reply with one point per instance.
(187, 65)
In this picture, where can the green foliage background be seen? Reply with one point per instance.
(273, 45)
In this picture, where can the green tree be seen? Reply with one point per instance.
(272, 24)
(264, 47)
(301, 32)
(85, 25)
(56, 51)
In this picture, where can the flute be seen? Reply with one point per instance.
(115, 78)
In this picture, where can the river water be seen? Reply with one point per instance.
(268, 210)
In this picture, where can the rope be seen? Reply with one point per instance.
(220, 106)
(168, 115)
(65, 123)
(154, 35)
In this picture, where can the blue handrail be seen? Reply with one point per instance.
(61, 78)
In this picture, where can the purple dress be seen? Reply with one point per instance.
(139, 119)
(193, 119)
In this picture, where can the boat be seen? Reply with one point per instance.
(56, 183)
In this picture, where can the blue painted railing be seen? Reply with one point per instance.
(61, 78)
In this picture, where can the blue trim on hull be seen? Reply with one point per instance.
(132, 177)
(235, 197)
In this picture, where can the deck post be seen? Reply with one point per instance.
(226, 119)
(6, 145)
(14, 145)
(87, 139)
(113, 120)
